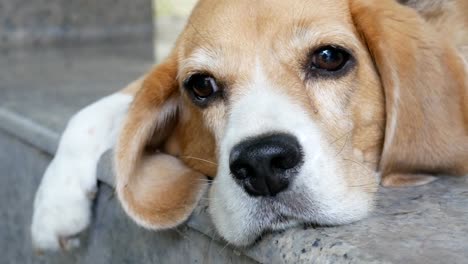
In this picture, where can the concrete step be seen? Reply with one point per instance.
(41, 88)
(24, 22)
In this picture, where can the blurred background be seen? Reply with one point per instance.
(169, 19)
(51, 22)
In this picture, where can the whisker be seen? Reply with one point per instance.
(200, 159)
(360, 164)
(205, 179)
(206, 199)
(190, 23)
(344, 145)
(225, 246)
(342, 136)
(362, 185)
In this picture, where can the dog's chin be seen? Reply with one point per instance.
(250, 228)
(241, 219)
(253, 229)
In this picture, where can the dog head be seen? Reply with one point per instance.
(295, 109)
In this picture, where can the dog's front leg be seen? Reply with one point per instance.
(62, 206)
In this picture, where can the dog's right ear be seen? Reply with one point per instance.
(425, 85)
(157, 190)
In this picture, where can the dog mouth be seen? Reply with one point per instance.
(242, 219)
(265, 216)
(277, 223)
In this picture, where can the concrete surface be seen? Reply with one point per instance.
(38, 93)
(24, 22)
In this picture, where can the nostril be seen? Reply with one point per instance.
(240, 172)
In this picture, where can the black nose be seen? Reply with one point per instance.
(264, 166)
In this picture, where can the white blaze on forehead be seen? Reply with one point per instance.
(263, 108)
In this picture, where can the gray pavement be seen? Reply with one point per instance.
(41, 88)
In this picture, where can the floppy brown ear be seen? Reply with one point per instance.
(426, 93)
(157, 190)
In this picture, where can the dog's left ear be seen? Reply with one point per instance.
(156, 189)
(426, 93)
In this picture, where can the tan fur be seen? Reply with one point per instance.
(396, 49)
(133, 87)
(163, 195)
(159, 190)
(425, 88)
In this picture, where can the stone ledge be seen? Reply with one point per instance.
(412, 225)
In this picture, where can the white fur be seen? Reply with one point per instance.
(62, 203)
(318, 194)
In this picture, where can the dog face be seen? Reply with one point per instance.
(296, 108)
(296, 113)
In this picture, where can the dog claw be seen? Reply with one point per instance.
(91, 195)
(38, 252)
(69, 243)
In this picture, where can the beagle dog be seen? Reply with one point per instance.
(295, 111)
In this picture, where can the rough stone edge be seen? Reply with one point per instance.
(28, 131)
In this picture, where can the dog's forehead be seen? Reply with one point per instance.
(225, 23)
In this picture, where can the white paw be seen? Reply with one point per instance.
(62, 207)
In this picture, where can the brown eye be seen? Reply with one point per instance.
(329, 59)
(201, 86)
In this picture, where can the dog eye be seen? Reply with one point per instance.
(201, 86)
(328, 59)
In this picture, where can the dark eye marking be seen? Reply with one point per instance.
(329, 61)
(202, 88)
